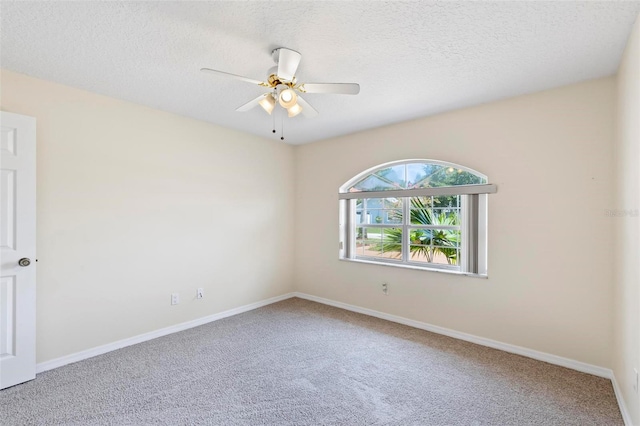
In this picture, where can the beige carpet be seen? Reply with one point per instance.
(301, 363)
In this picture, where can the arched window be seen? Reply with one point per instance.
(424, 214)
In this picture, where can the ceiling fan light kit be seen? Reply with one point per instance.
(288, 98)
(268, 103)
(294, 110)
(283, 86)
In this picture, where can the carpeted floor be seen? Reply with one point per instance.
(301, 363)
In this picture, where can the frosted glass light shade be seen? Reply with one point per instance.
(294, 110)
(268, 103)
(288, 98)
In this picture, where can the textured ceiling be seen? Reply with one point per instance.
(411, 59)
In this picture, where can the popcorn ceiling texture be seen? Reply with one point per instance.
(411, 58)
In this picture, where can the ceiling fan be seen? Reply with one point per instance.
(283, 86)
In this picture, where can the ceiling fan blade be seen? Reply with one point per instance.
(237, 77)
(307, 110)
(338, 88)
(251, 104)
(288, 61)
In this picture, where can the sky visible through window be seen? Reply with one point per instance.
(416, 175)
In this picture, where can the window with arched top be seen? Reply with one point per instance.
(424, 214)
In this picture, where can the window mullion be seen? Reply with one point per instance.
(406, 221)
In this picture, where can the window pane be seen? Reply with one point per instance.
(420, 236)
(427, 211)
(393, 217)
(421, 211)
(440, 246)
(375, 207)
(426, 254)
(436, 175)
(426, 175)
(361, 214)
(446, 201)
(379, 242)
(393, 203)
(445, 238)
(416, 175)
(373, 183)
(393, 175)
(420, 245)
(446, 216)
(379, 210)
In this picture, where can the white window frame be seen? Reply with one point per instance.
(473, 226)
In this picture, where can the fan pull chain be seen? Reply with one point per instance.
(274, 123)
(282, 127)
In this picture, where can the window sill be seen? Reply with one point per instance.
(419, 268)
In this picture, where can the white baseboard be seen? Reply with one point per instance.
(623, 406)
(99, 350)
(519, 350)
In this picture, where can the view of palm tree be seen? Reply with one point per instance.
(425, 243)
(433, 226)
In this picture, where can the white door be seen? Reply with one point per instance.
(17, 249)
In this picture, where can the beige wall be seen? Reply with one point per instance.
(549, 285)
(626, 354)
(134, 204)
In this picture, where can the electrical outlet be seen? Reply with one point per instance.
(175, 298)
(635, 380)
(200, 293)
(385, 288)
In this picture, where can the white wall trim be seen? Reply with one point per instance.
(519, 350)
(623, 406)
(606, 373)
(583, 367)
(99, 350)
